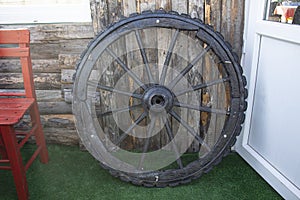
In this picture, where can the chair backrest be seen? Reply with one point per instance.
(296, 19)
(15, 44)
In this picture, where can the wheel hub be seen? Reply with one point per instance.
(158, 99)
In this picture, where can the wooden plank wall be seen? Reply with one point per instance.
(226, 16)
(55, 49)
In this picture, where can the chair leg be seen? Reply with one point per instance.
(2, 149)
(15, 158)
(39, 134)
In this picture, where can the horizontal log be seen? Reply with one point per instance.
(58, 129)
(55, 121)
(42, 95)
(49, 95)
(41, 33)
(55, 130)
(50, 32)
(55, 108)
(63, 136)
(42, 81)
(58, 121)
(68, 61)
(67, 86)
(48, 41)
(51, 50)
(62, 107)
(38, 66)
(67, 76)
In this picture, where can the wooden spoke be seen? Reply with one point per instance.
(171, 137)
(144, 56)
(201, 86)
(201, 108)
(146, 145)
(124, 66)
(188, 68)
(118, 110)
(189, 129)
(113, 90)
(168, 58)
(135, 123)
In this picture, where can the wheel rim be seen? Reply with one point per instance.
(151, 98)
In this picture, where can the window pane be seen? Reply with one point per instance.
(283, 11)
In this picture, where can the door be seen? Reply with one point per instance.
(270, 141)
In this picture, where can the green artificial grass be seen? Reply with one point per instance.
(73, 174)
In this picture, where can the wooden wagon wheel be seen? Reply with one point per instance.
(159, 98)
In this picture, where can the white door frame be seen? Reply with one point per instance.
(255, 27)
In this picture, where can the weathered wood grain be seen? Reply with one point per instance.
(38, 66)
(55, 120)
(42, 81)
(41, 33)
(227, 17)
(181, 6)
(132, 59)
(42, 95)
(215, 15)
(68, 61)
(57, 107)
(163, 4)
(129, 6)
(58, 121)
(55, 49)
(58, 129)
(51, 50)
(149, 40)
(232, 23)
(207, 12)
(210, 11)
(179, 62)
(67, 76)
(196, 9)
(99, 14)
(146, 5)
(48, 95)
(114, 10)
(209, 99)
(65, 136)
(50, 40)
(163, 39)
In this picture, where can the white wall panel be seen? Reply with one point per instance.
(45, 12)
(274, 131)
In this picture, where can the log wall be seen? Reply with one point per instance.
(55, 49)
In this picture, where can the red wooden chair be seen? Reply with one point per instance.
(13, 106)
